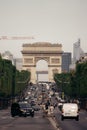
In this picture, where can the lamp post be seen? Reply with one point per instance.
(1, 74)
(62, 86)
(13, 82)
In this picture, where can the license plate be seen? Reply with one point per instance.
(67, 114)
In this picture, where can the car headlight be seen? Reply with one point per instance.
(23, 110)
(32, 110)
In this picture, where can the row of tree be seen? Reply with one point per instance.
(12, 81)
(73, 84)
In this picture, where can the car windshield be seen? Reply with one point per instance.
(24, 105)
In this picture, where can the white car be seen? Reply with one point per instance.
(70, 110)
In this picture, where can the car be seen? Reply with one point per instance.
(70, 110)
(21, 109)
(32, 103)
(60, 104)
(36, 107)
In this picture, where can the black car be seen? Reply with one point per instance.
(21, 109)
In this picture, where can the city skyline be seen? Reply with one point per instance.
(54, 21)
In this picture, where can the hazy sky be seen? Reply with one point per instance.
(55, 21)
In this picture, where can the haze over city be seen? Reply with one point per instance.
(54, 21)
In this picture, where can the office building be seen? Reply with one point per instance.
(66, 61)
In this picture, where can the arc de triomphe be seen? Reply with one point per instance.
(32, 53)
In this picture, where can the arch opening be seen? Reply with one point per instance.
(42, 71)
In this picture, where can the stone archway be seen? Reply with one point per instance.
(42, 71)
(52, 53)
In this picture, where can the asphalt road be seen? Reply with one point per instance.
(24, 123)
(72, 124)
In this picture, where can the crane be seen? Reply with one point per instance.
(16, 37)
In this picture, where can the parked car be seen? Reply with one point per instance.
(21, 109)
(70, 110)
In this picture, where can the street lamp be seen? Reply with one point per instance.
(62, 83)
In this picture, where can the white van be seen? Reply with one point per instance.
(70, 110)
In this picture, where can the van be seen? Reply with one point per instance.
(70, 110)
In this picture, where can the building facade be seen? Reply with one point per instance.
(18, 63)
(78, 53)
(7, 55)
(52, 53)
(66, 61)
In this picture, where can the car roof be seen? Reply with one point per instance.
(15, 104)
(70, 104)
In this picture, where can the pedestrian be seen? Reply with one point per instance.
(51, 110)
